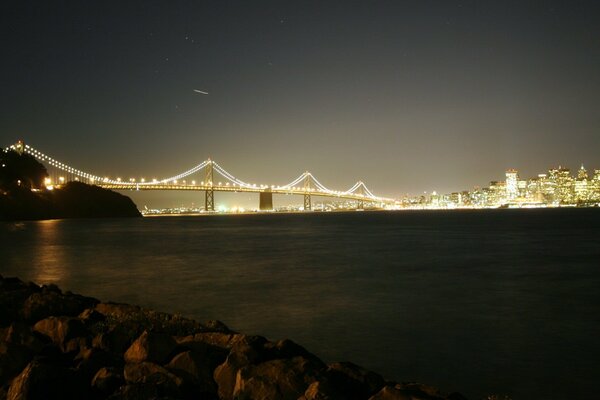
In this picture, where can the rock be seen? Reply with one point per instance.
(51, 302)
(115, 339)
(136, 391)
(419, 391)
(13, 293)
(213, 347)
(117, 310)
(151, 346)
(195, 370)
(90, 316)
(60, 330)
(288, 349)
(390, 393)
(322, 390)
(247, 350)
(19, 333)
(217, 339)
(90, 360)
(13, 358)
(357, 382)
(107, 381)
(216, 326)
(276, 379)
(153, 374)
(409, 391)
(42, 381)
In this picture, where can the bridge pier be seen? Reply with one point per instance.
(209, 200)
(209, 194)
(307, 202)
(360, 205)
(265, 201)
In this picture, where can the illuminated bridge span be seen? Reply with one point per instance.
(202, 178)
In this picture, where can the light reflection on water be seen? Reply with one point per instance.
(479, 302)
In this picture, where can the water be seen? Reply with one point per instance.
(481, 302)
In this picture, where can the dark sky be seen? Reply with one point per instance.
(409, 96)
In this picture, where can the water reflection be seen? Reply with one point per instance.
(49, 262)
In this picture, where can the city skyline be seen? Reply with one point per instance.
(408, 97)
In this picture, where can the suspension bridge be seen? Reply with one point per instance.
(201, 177)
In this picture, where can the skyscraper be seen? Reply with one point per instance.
(512, 184)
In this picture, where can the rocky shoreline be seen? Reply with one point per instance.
(60, 345)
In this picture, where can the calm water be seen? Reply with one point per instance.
(481, 302)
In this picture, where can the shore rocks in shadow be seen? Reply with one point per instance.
(56, 345)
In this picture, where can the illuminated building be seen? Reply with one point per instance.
(497, 194)
(564, 192)
(512, 185)
(581, 185)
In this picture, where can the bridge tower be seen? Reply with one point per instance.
(361, 191)
(209, 194)
(307, 200)
(20, 147)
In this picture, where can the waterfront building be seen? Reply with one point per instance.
(581, 188)
(497, 195)
(512, 185)
(595, 186)
(565, 193)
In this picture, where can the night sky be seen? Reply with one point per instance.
(409, 96)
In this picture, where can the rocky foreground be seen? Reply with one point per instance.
(56, 345)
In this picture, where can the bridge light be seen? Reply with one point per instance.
(193, 182)
(175, 181)
(154, 180)
(143, 180)
(202, 183)
(47, 181)
(61, 179)
(118, 179)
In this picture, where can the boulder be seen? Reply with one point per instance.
(390, 393)
(289, 349)
(90, 360)
(115, 339)
(153, 374)
(195, 371)
(217, 339)
(137, 391)
(107, 380)
(90, 316)
(51, 302)
(61, 329)
(410, 391)
(19, 333)
(247, 350)
(151, 346)
(276, 379)
(42, 381)
(357, 382)
(13, 293)
(13, 358)
(323, 390)
(117, 310)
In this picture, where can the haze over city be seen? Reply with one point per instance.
(409, 97)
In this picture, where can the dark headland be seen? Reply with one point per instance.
(25, 196)
(60, 345)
